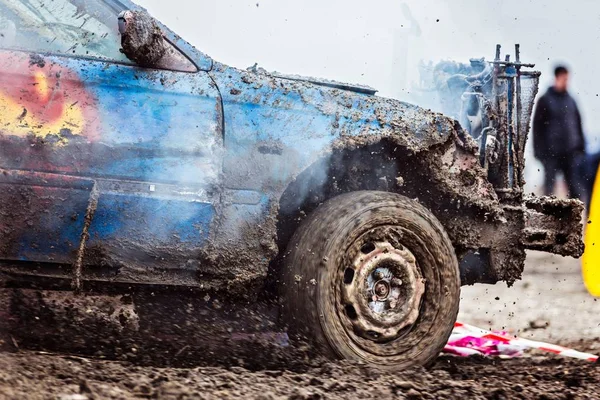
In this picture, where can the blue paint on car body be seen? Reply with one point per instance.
(189, 167)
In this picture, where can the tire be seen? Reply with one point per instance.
(372, 277)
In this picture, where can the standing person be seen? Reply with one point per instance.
(558, 140)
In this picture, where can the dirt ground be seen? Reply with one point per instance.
(549, 304)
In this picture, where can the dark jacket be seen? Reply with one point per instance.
(557, 129)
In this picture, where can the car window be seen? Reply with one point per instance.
(76, 27)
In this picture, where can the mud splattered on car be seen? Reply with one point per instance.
(199, 209)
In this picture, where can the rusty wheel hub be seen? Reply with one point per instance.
(382, 291)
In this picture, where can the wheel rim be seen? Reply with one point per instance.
(381, 293)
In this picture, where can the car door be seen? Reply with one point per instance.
(94, 146)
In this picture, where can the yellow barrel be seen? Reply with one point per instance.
(591, 257)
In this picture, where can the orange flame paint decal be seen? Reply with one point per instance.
(41, 99)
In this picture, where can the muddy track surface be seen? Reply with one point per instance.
(549, 304)
(33, 376)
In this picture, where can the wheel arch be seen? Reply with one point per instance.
(445, 178)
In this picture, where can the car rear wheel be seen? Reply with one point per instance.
(372, 277)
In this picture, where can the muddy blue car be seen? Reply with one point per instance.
(130, 158)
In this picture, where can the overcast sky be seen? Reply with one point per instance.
(380, 42)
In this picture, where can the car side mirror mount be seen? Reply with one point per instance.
(143, 42)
